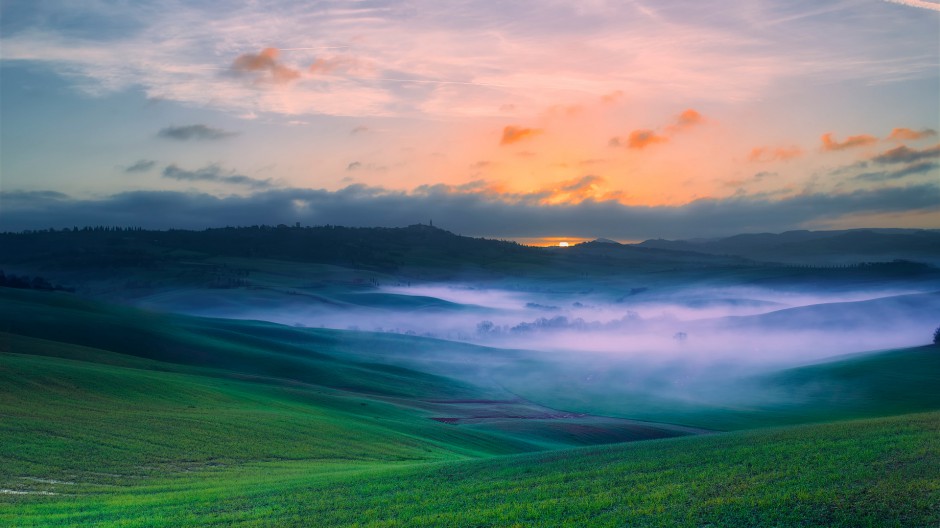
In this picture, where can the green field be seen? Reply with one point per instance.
(120, 417)
(867, 385)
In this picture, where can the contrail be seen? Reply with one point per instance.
(917, 3)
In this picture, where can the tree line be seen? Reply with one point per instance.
(25, 282)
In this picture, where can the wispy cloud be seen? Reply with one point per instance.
(933, 6)
(264, 66)
(728, 76)
(21, 198)
(757, 177)
(195, 132)
(901, 134)
(905, 154)
(530, 53)
(768, 154)
(214, 173)
(640, 139)
(143, 165)
(923, 167)
(830, 144)
(360, 166)
(581, 189)
(338, 64)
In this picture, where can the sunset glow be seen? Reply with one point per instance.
(465, 263)
(658, 119)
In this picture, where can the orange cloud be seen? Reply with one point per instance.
(829, 144)
(571, 192)
(686, 119)
(689, 118)
(265, 64)
(578, 190)
(900, 134)
(767, 154)
(514, 134)
(640, 139)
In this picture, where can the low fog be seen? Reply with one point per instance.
(745, 326)
(691, 344)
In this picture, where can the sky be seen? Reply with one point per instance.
(530, 120)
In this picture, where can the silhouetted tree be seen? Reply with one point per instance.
(936, 336)
(486, 327)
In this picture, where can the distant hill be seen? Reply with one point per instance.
(608, 249)
(432, 252)
(367, 248)
(121, 263)
(818, 247)
(885, 312)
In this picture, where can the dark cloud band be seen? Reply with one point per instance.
(468, 213)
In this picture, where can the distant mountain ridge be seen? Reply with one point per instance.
(818, 247)
(72, 256)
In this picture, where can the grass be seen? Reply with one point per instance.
(861, 386)
(117, 417)
(135, 393)
(62, 416)
(879, 473)
(258, 350)
(414, 368)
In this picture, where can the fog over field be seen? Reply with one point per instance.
(748, 327)
(601, 328)
(591, 349)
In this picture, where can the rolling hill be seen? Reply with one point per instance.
(87, 442)
(818, 247)
(113, 414)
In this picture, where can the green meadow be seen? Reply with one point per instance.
(881, 383)
(115, 416)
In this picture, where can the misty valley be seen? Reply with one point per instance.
(278, 374)
(411, 263)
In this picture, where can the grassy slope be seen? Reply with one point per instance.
(394, 366)
(247, 348)
(63, 417)
(884, 383)
(88, 385)
(863, 386)
(170, 434)
(879, 473)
